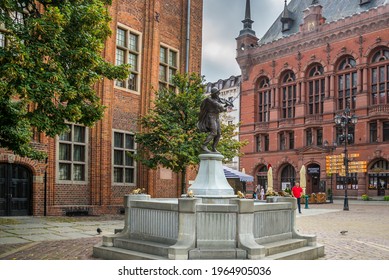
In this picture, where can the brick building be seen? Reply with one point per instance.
(87, 169)
(317, 59)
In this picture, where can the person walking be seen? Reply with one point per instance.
(262, 193)
(255, 196)
(297, 191)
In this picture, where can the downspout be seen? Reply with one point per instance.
(183, 173)
(187, 39)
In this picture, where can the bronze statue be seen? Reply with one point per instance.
(209, 121)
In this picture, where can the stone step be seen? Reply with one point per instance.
(206, 254)
(114, 253)
(148, 247)
(303, 253)
(283, 246)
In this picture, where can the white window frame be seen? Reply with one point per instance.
(127, 52)
(124, 149)
(167, 65)
(72, 162)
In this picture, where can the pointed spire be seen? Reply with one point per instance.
(247, 22)
(286, 13)
(248, 10)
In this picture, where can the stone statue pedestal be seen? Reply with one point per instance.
(214, 224)
(211, 181)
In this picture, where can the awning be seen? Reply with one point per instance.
(235, 174)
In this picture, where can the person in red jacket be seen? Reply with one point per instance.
(297, 191)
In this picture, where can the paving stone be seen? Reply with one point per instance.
(13, 240)
(367, 238)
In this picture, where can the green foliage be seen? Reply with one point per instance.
(170, 136)
(228, 146)
(365, 197)
(386, 198)
(49, 66)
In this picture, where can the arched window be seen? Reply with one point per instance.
(379, 177)
(380, 77)
(288, 177)
(264, 100)
(347, 83)
(288, 95)
(316, 89)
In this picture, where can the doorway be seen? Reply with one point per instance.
(313, 171)
(15, 190)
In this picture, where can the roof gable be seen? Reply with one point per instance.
(332, 11)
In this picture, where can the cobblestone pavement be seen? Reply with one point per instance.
(366, 223)
(367, 226)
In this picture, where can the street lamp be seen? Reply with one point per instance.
(345, 121)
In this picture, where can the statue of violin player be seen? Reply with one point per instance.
(209, 120)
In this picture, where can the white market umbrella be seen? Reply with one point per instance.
(270, 180)
(303, 178)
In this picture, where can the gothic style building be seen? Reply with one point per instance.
(88, 170)
(319, 59)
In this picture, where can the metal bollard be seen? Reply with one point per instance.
(306, 201)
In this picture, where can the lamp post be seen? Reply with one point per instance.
(345, 121)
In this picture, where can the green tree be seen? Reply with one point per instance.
(49, 63)
(170, 136)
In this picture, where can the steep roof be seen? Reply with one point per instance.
(332, 10)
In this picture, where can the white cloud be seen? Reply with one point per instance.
(222, 21)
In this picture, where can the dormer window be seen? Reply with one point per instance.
(286, 25)
(286, 19)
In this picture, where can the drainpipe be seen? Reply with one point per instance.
(187, 39)
(45, 191)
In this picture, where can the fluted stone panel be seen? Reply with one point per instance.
(154, 223)
(216, 229)
(268, 223)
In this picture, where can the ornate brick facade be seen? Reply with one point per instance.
(312, 64)
(154, 23)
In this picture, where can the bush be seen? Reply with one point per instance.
(386, 198)
(365, 197)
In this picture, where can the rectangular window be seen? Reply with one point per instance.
(314, 136)
(127, 51)
(282, 142)
(123, 163)
(262, 143)
(266, 143)
(258, 143)
(291, 140)
(319, 137)
(385, 131)
(286, 140)
(72, 154)
(373, 132)
(308, 136)
(168, 66)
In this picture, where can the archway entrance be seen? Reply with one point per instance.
(15, 190)
(379, 177)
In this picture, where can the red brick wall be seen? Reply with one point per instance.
(327, 45)
(159, 22)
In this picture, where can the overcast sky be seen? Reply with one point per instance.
(221, 25)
